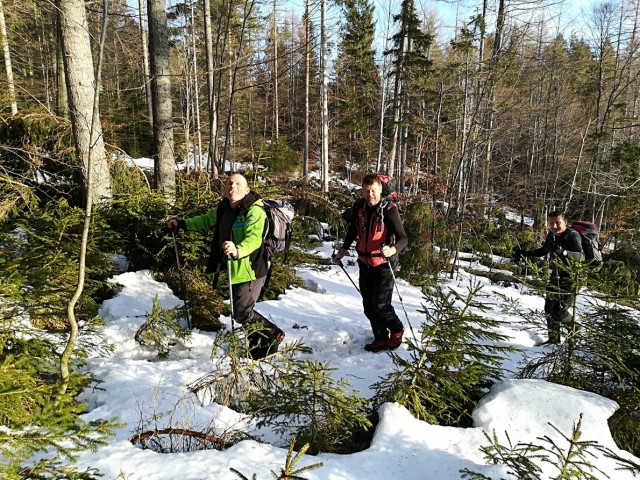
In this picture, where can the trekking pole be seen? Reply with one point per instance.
(349, 276)
(233, 325)
(393, 275)
(184, 287)
(521, 263)
(342, 266)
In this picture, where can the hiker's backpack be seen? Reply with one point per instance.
(389, 191)
(591, 246)
(278, 236)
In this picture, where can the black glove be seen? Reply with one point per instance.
(518, 254)
(179, 224)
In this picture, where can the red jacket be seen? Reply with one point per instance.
(374, 227)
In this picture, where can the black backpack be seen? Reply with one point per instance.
(591, 246)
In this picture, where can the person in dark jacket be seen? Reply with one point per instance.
(238, 224)
(377, 228)
(562, 243)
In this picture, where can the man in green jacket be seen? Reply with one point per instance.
(238, 224)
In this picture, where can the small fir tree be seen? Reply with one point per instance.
(457, 353)
(574, 460)
(42, 249)
(38, 419)
(162, 329)
(236, 374)
(307, 400)
(289, 472)
(420, 262)
(599, 353)
(204, 302)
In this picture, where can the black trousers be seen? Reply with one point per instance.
(263, 335)
(557, 306)
(245, 296)
(376, 287)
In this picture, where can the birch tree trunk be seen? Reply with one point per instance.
(324, 98)
(4, 40)
(276, 101)
(85, 119)
(307, 81)
(164, 161)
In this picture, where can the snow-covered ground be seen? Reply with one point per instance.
(137, 388)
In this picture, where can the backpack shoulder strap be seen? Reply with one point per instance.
(573, 239)
(357, 206)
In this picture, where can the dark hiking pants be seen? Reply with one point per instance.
(557, 306)
(376, 286)
(245, 296)
(262, 334)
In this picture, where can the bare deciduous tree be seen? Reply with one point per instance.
(85, 118)
(164, 160)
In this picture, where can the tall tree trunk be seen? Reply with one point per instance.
(65, 356)
(4, 40)
(196, 93)
(233, 74)
(276, 101)
(145, 62)
(62, 103)
(85, 119)
(307, 81)
(212, 161)
(188, 103)
(495, 61)
(383, 97)
(324, 98)
(164, 161)
(397, 106)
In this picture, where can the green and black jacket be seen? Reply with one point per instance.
(247, 234)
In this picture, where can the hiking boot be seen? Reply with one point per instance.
(377, 345)
(276, 340)
(395, 340)
(265, 342)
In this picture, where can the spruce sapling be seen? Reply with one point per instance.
(307, 401)
(457, 353)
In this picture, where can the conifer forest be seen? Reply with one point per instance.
(486, 121)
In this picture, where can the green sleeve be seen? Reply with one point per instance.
(206, 221)
(253, 232)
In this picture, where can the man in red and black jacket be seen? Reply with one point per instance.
(380, 235)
